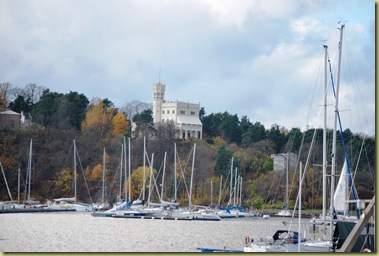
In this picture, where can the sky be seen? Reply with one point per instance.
(263, 59)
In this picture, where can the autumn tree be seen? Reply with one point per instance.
(99, 118)
(120, 124)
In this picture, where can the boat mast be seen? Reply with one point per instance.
(287, 163)
(211, 192)
(163, 174)
(299, 219)
(335, 129)
(235, 186)
(219, 195)
(75, 171)
(231, 182)
(18, 184)
(122, 155)
(125, 168)
(151, 178)
(30, 168)
(103, 192)
(193, 163)
(129, 177)
(175, 188)
(240, 190)
(324, 160)
(144, 168)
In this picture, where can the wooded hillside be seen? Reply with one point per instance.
(58, 119)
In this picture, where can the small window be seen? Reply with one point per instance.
(173, 111)
(193, 113)
(162, 111)
(168, 111)
(182, 112)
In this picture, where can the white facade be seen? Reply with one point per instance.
(184, 115)
(280, 161)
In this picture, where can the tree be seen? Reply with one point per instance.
(94, 116)
(223, 160)
(77, 105)
(135, 108)
(20, 104)
(120, 124)
(5, 90)
(278, 136)
(33, 92)
(145, 117)
(47, 107)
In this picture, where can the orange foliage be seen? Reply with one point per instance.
(120, 124)
(97, 172)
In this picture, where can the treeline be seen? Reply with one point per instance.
(96, 125)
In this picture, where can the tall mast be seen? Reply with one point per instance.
(150, 180)
(18, 184)
(287, 167)
(235, 186)
(144, 168)
(129, 177)
(231, 182)
(30, 168)
(125, 168)
(176, 191)
(324, 162)
(122, 155)
(103, 192)
(163, 174)
(219, 195)
(193, 164)
(240, 190)
(75, 171)
(211, 192)
(335, 127)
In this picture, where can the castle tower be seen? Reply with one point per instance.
(159, 91)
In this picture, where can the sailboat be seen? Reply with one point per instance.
(70, 203)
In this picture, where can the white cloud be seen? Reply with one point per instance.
(254, 58)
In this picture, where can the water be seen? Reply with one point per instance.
(80, 232)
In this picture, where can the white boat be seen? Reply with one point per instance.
(70, 203)
(284, 213)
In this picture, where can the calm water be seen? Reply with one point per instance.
(80, 232)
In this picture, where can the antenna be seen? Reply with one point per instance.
(159, 75)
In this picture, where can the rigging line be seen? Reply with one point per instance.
(345, 152)
(306, 100)
(356, 86)
(303, 175)
(359, 157)
(84, 176)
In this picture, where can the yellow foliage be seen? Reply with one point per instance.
(94, 116)
(218, 141)
(137, 177)
(97, 172)
(120, 124)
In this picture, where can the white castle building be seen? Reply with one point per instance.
(185, 116)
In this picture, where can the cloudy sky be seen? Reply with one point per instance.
(257, 58)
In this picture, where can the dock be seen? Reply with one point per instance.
(34, 210)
